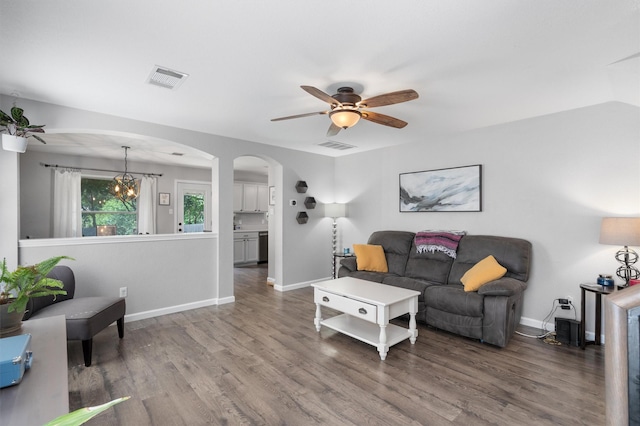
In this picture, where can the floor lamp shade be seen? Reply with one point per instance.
(335, 210)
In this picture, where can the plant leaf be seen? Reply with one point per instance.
(4, 118)
(81, 415)
(17, 113)
(39, 138)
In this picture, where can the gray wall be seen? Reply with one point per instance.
(548, 179)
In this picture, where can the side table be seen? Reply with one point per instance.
(43, 393)
(336, 256)
(599, 290)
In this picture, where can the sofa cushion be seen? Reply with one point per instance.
(428, 266)
(512, 253)
(488, 269)
(408, 283)
(396, 245)
(375, 277)
(453, 299)
(370, 257)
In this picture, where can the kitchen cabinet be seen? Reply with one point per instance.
(245, 247)
(250, 197)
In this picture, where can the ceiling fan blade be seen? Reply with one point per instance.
(320, 95)
(383, 119)
(309, 114)
(390, 98)
(333, 130)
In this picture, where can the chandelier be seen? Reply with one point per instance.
(124, 187)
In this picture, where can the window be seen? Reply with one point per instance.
(102, 213)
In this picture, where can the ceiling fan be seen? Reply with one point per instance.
(347, 108)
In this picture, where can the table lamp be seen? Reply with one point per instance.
(623, 231)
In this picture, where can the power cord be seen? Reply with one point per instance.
(564, 304)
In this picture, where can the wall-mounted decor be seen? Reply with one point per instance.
(301, 186)
(272, 195)
(302, 218)
(457, 189)
(310, 203)
(164, 198)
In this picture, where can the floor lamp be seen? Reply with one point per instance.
(623, 231)
(334, 210)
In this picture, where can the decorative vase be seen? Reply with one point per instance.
(9, 321)
(14, 143)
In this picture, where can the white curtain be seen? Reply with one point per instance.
(147, 206)
(67, 204)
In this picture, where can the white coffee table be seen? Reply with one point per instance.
(367, 308)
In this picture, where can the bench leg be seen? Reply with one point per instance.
(121, 327)
(87, 345)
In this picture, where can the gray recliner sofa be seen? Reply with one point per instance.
(490, 314)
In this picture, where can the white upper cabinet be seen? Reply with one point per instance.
(250, 197)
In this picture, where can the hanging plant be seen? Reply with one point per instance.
(18, 125)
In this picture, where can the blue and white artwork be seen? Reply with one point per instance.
(445, 190)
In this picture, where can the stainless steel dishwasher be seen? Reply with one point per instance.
(263, 247)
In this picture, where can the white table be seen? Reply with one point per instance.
(368, 307)
(43, 393)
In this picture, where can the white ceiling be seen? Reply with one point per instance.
(474, 63)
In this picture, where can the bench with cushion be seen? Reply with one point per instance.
(85, 316)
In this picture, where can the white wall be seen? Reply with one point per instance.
(549, 180)
(9, 212)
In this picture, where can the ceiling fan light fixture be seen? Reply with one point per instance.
(345, 118)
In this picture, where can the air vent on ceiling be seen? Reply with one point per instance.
(336, 145)
(164, 77)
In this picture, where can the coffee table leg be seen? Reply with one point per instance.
(413, 332)
(318, 317)
(383, 348)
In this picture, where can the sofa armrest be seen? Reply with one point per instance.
(502, 287)
(349, 263)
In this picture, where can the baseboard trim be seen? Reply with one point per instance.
(551, 326)
(298, 285)
(177, 308)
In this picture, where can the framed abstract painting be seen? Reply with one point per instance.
(456, 189)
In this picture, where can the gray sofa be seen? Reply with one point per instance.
(490, 314)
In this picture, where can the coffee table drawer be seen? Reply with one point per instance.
(352, 307)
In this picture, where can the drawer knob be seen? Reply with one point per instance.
(325, 299)
(362, 311)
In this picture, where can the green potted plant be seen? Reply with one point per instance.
(16, 287)
(15, 129)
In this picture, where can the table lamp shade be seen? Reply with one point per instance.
(620, 231)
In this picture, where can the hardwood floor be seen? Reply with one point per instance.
(260, 361)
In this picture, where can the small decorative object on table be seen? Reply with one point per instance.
(605, 280)
(15, 359)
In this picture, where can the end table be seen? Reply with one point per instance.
(599, 290)
(336, 256)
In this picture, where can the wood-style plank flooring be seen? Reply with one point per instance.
(260, 361)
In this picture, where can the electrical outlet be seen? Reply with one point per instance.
(570, 299)
(123, 292)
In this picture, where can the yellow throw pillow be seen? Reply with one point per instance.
(488, 269)
(370, 258)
